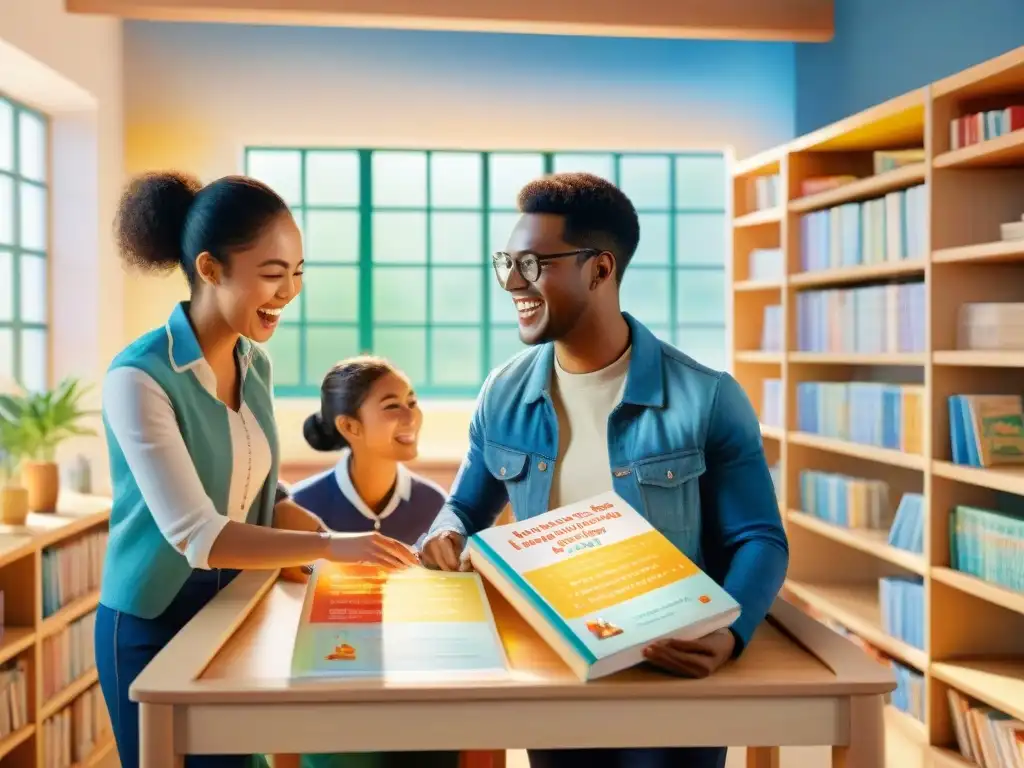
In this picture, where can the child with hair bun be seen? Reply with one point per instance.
(368, 412)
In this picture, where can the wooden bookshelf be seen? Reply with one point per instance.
(27, 632)
(974, 630)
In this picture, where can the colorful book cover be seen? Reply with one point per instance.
(599, 583)
(416, 625)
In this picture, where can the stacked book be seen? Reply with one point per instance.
(985, 736)
(885, 229)
(71, 736)
(902, 602)
(849, 502)
(890, 159)
(68, 655)
(910, 689)
(771, 402)
(986, 430)
(873, 319)
(907, 531)
(977, 127)
(771, 329)
(988, 544)
(870, 413)
(766, 264)
(991, 325)
(71, 571)
(13, 697)
(763, 193)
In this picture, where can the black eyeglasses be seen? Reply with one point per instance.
(528, 265)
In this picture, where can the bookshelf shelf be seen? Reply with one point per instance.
(753, 286)
(773, 433)
(758, 218)
(862, 189)
(757, 356)
(872, 542)
(967, 630)
(64, 547)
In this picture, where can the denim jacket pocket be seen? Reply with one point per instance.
(669, 488)
(510, 467)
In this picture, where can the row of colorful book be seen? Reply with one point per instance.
(771, 403)
(72, 570)
(907, 530)
(68, 655)
(885, 229)
(991, 326)
(72, 736)
(883, 161)
(873, 319)
(869, 413)
(767, 264)
(764, 192)
(974, 128)
(985, 736)
(901, 599)
(988, 544)
(986, 430)
(13, 697)
(772, 339)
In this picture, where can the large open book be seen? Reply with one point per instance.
(598, 583)
(412, 625)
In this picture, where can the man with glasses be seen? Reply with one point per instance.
(598, 403)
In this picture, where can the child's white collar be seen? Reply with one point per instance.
(403, 489)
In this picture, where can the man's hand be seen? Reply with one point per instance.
(692, 658)
(444, 551)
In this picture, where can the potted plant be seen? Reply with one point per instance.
(46, 419)
(13, 495)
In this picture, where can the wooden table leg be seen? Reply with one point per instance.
(156, 737)
(763, 757)
(867, 735)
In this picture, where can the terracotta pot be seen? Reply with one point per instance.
(13, 505)
(42, 479)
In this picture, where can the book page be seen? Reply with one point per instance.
(417, 624)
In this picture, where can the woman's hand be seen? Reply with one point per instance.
(370, 547)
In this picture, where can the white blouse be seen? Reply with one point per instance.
(141, 416)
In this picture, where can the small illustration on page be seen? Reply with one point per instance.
(602, 629)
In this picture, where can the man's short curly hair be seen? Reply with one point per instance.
(597, 213)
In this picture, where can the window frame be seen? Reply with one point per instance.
(365, 208)
(17, 250)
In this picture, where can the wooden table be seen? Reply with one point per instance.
(222, 687)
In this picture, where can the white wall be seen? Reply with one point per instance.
(70, 68)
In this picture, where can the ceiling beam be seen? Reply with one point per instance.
(777, 20)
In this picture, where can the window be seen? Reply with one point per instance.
(24, 224)
(398, 246)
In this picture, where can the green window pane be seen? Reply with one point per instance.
(655, 240)
(455, 295)
(457, 238)
(505, 345)
(6, 136)
(279, 169)
(602, 165)
(332, 178)
(399, 179)
(645, 180)
(456, 180)
(325, 347)
(33, 217)
(6, 210)
(31, 146)
(705, 345)
(510, 173)
(501, 226)
(34, 290)
(406, 348)
(701, 238)
(6, 285)
(34, 359)
(455, 357)
(400, 237)
(399, 295)
(700, 181)
(662, 332)
(332, 236)
(283, 348)
(701, 295)
(645, 295)
(502, 308)
(331, 294)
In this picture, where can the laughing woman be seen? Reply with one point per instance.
(190, 430)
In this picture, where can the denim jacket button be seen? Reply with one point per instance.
(542, 466)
